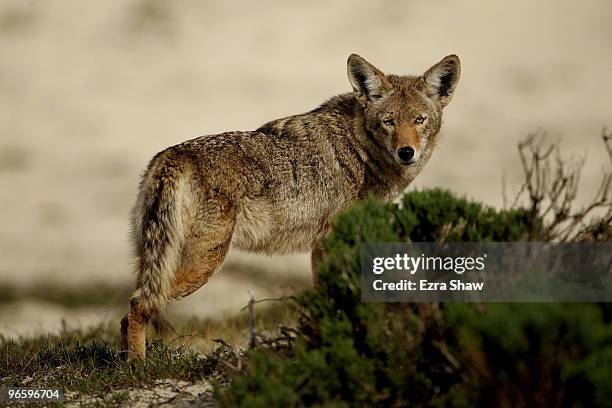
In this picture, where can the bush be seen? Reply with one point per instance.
(353, 353)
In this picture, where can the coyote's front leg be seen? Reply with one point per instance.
(316, 258)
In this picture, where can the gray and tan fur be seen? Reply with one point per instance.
(276, 189)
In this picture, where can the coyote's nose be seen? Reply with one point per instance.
(405, 154)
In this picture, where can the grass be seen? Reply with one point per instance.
(201, 333)
(90, 363)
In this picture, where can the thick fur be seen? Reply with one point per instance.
(276, 189)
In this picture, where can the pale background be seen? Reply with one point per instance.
(89, 91)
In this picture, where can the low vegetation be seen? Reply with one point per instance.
(90, 363)
(354, 353)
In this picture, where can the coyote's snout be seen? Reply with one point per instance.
(277, 189)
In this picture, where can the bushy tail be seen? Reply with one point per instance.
(158, 234)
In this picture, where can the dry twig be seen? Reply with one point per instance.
(551, 188)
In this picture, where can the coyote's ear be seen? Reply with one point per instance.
(368, 82)
(442, 78)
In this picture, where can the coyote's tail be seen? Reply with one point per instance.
(158, 234)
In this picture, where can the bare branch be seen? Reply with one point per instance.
(551, 189)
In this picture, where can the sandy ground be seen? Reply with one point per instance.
(89, 91)
(163, 394)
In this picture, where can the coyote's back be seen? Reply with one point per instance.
(277, 189)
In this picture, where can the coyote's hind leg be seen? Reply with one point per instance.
(204, 251)
(124, 330)
(135, 331)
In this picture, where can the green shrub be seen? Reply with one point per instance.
(372, 354)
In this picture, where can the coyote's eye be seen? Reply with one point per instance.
(389, 122)
(419, 119)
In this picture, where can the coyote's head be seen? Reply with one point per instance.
(404, 111)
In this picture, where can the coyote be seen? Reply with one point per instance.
(276, 189)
